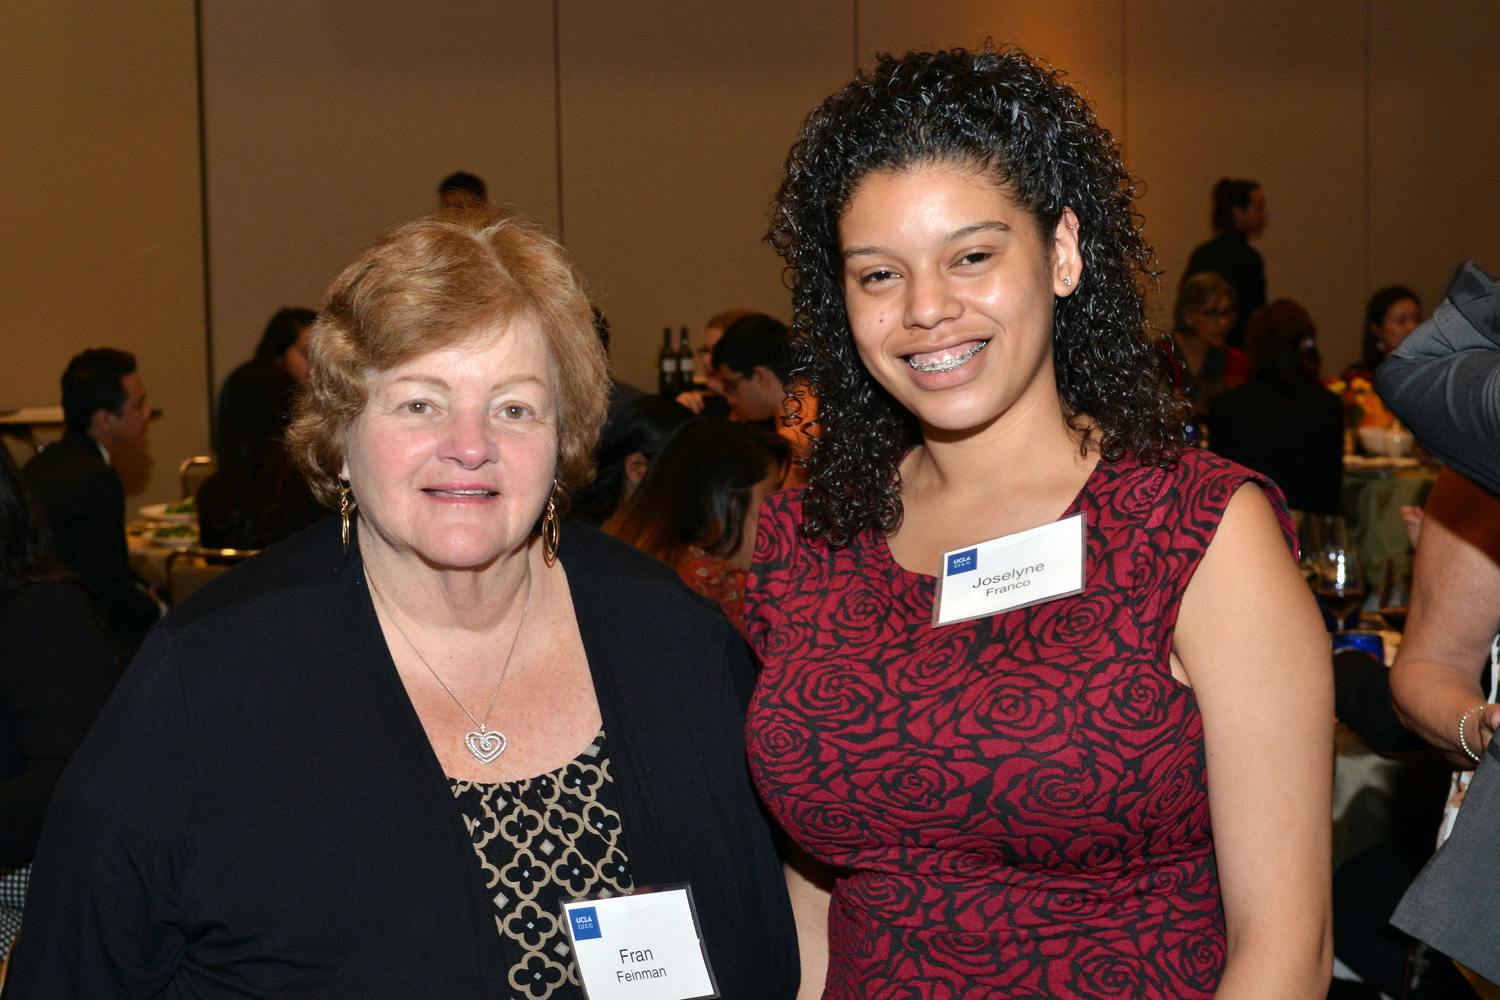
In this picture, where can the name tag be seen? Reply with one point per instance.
(645, 945)
(1013, 571)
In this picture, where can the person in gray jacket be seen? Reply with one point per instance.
(1444, 383)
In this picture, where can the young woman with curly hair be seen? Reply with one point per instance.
(1119, 792)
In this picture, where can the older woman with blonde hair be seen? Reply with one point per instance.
(378, 759)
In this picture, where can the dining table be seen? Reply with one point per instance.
(1373, 493)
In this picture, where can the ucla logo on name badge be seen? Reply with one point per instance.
(585, 924)
(963, 562)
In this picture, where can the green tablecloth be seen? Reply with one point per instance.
(1372, 509)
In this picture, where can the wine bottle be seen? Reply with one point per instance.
(685, 364)
(666, 366)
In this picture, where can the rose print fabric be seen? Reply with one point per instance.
(1017, 805)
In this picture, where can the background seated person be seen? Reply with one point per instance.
(104, 405)
(1391, 315)
(753, 365)
(1283, 422)
(628, 445)
(708, 401)
(56, 670)
(284, 342)
(256, 496)
(1202, 363)
(696, 509)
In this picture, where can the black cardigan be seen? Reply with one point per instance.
(258, 811)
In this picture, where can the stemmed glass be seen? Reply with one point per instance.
(1337, 578)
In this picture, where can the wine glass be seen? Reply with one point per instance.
(1395, 593)
(1337, 578)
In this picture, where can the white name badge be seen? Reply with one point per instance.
(1014, 571)
(645, 945)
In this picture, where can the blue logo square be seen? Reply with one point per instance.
(585, 923)
(963, 562)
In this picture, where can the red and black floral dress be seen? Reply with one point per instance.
(1016, 805)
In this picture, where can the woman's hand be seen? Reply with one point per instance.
(1478, 727)
(1251, 643)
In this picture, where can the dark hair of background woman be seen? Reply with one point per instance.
(641, 426)
(1281, 346)
(25, 549)
(257, 496)
(697, 491)
(282, 332)
(1380, 303)
(1229, 194)
(1036, 136)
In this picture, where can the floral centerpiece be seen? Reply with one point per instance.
(1362, 407)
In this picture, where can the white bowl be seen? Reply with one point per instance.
(1372, 440)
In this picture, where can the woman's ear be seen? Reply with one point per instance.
(635, 468)
(1067, 259)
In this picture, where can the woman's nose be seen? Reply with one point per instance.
(929, 300)
(470, 440)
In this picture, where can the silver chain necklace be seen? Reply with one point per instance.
(484, 744)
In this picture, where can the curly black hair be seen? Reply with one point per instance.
(1015, 118)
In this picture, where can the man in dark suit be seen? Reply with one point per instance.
(104, 406)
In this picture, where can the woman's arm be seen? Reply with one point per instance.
(56, 672)
(1251, 642)
(1455, 611)
(101, 917)
(809, 883)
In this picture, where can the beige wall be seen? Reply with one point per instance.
(672, 149)
(99, 209)
(328, 122)
(651, 135)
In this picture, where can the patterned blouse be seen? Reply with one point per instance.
(716, 580)
(541, 842)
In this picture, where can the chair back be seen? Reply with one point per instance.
(192, 471)
(192, 567)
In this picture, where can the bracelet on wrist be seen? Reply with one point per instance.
(1463, 722)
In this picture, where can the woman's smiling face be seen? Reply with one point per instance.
(453, 456)
(950, 290)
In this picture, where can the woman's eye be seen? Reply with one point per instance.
(417, 407)
(875, 277)
(515, 411)
(977, 257)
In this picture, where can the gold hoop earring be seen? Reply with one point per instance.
(551, 529)
(344, 509)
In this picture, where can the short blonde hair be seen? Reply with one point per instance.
(1199, 291)
(433, 284)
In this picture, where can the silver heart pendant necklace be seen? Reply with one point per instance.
(484, 744)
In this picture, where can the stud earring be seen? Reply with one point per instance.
(1067, 281)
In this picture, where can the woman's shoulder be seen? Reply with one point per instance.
(48, 608)
(1197, 482)
(778, 536)
(61, 595)
(288, 572)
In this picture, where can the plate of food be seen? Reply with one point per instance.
(181, 512)
(178, 536)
